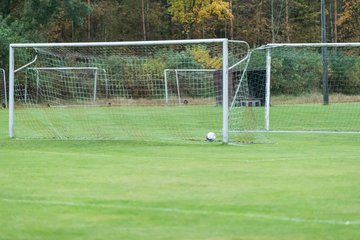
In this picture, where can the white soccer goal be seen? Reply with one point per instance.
(188, 83)
(149, 90)
(301, 88)
(88, 75)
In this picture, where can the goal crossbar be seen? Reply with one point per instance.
(274, 45)
(109, 44)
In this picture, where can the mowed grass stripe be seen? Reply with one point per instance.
(183, 211)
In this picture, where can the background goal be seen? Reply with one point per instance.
(298, 88)
(153, 90)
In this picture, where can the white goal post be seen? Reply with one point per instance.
(133, 74)
(3, 89)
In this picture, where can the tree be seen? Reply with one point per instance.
(255, 21)
(231, 20)
(333, 19)
(48, 20)
(10, 32)
(143, 19)
(114, 20)
(252, 21)
(287, 24)
(199, 18)
(305, 21)
(349, 21)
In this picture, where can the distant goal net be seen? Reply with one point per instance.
(302, 88)
(153, 90)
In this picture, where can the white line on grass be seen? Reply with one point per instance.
(100, 155)
(165, 158)
(184, 211)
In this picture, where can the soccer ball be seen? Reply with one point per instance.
(210, 136)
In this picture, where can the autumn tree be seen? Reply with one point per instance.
(114, 20)
(47, 20)
(200, 18)
(252, 21)
(255, 21)
(349, 21)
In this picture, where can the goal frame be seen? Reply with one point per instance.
(176, 71)
(268, 49)
(224, 68)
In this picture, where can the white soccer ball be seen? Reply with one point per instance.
(210, 136)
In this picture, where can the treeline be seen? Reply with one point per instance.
(255, 21)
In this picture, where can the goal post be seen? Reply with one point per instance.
(3, 88)
(288, 78)
(125, 87)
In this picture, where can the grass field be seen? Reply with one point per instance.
(300, 186)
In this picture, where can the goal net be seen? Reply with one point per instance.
(156, 90)
(302, 88)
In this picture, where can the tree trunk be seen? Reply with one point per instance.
(272, 23)
(231, 20)
(287, 25)
(335, 21)
(143, 19)
(88, 24)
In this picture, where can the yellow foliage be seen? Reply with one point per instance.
(202, 56)
(347, 12)
(154, 65)
(348, 21)
(218, 9)
(192, 13)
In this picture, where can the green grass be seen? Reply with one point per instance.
(309, 117)
(301, 186)
(186, 122)
(338, 117)
(120, 123)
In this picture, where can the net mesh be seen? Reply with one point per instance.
(147, 92)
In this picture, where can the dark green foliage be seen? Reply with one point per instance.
(125, 70)
(352, 84)
(295, 72)
(10, 31)
(344, 72)
(179, 60)
(298, 71)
